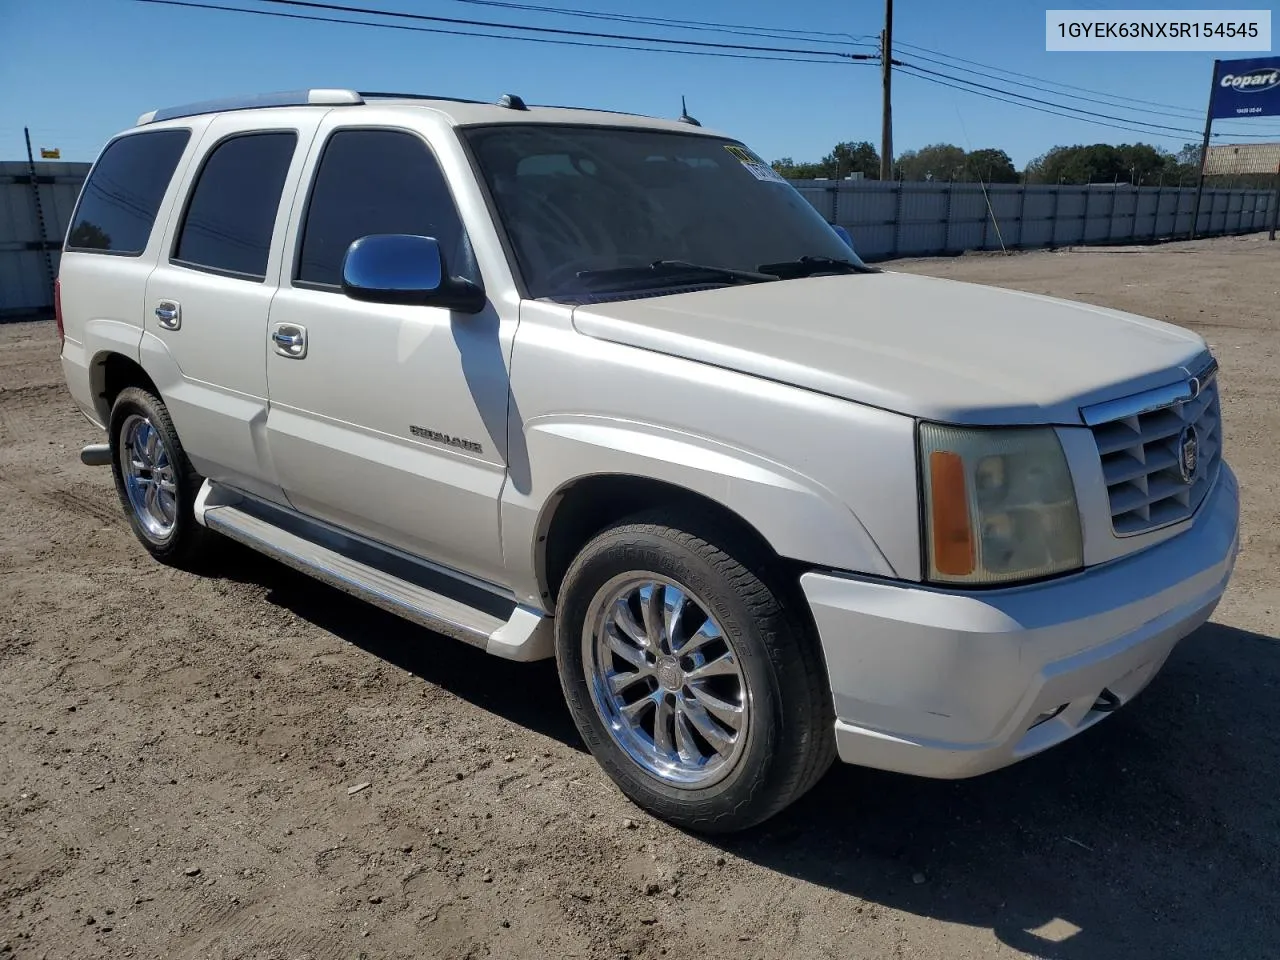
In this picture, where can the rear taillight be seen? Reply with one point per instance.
(57, 312)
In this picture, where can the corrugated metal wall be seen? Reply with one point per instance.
(25, 288)
(887, 220)
(908, 219)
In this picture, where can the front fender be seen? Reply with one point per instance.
(799, 517)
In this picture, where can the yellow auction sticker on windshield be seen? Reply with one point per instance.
(755, 166)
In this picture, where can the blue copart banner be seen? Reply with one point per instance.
(1246, 88)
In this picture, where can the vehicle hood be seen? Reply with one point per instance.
(932, 348)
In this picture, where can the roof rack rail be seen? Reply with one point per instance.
(683, 118)
(620, 113)
(326, 96)
(414, 96)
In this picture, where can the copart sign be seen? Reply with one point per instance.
(1246, 88)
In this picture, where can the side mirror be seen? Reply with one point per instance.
(843, 234)
(405, 269)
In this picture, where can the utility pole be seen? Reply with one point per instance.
(1204, 151)
(886, 66)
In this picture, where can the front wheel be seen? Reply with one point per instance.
(695, 686)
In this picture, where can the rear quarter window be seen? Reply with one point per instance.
(118, 205)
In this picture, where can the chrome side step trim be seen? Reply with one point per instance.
(387, 579)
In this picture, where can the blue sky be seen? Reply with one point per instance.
(76, 71)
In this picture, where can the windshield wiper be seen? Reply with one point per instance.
(668, 272)
(808, 266)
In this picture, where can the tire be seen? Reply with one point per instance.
(774, 671)
(166, 526)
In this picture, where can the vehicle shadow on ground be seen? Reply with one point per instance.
(1156, 834)
(527, 694)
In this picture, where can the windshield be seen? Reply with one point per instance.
(585, 207)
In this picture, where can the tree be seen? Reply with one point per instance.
(938, 161)
(990, 165)
(1142, 163)
(844, 159)
(1188, 156)
(786, 167)
(849, 157)
(1136, 163)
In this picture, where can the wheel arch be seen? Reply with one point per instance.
(584, 506)
(581, 473)
(111, 372)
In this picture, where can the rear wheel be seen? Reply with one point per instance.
(694, 684)
(156, 483)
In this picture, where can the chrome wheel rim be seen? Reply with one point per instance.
(666, 680)
(149, 478)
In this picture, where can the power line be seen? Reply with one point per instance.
(911, 71)
(492, 36)
(1078, 112)
(559, 31)
(1048, 103)
(746, 30)
(1043, 89)
(1027, 76)
(1187, 113)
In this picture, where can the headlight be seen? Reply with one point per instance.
(999, 504)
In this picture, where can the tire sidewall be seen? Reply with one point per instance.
(132, 401)
(644, 550)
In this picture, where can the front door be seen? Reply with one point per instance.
(388, 421)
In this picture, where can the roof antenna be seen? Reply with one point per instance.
(684, 114)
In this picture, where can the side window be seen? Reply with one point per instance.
(232, 209)
(118, 205)
(378, 181)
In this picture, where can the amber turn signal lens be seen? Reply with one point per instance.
(953, 552)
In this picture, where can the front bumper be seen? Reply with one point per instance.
(951, 684)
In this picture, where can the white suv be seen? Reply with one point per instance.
(570, 383)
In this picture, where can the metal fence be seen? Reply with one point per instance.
(26, 288)
(887, 219)
(913, 218)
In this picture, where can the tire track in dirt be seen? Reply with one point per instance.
(23, 410)
(16, 423)
(248, 933)
(40, 490)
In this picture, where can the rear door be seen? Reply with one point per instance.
(389, 421)
(207, 301)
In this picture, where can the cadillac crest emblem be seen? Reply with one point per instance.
(1188, 453)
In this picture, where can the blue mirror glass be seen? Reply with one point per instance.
(844, 235)
(393, 268)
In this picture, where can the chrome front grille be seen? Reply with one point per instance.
(1146, 443)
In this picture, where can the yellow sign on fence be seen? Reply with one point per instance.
(50, 153)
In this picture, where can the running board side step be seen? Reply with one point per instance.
(505, 628)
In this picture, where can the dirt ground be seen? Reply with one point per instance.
(178, 749)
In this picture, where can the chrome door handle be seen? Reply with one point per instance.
(169, 313)
(290, 340)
